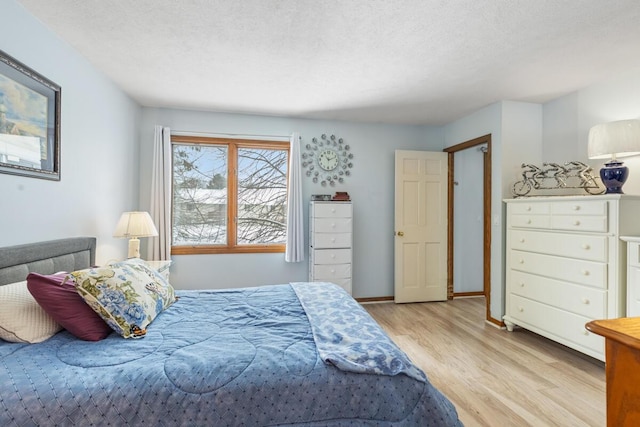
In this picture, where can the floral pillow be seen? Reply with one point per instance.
(127, 295)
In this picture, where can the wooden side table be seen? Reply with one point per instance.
(622, 353)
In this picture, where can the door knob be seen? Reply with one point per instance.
(400, 233)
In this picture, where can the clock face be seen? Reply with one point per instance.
(328, 160)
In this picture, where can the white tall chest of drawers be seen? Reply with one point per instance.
(566, 265)
(330, 243)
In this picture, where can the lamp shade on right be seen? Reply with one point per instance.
(610, 141)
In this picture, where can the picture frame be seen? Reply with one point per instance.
(29, 121)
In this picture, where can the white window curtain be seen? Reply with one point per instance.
(295, 220)
(160, 247)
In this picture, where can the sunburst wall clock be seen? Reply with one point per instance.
(328, 160)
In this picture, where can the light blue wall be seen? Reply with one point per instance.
(516, 132)
(106, 156)
(99, 155)
(468, 225)
(486, 121)
(370, 187)
(568, 120)
(560, 125)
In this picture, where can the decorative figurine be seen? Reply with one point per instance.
(554, 176)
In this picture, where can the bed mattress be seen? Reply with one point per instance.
(254, 357)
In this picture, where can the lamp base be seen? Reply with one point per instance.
(134, 248)
(614, 174)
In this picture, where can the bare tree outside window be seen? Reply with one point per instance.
(262, 196)
(213, 205)
(199, 195)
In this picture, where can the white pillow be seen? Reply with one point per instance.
(21, 317)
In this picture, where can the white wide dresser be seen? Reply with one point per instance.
(330, 243)
(566, 265)
(633, 275)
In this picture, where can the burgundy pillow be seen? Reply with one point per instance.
(65, 306)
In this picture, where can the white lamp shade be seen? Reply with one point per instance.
(135, 224)
(614, 139)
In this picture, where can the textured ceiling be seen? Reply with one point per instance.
(389, 61)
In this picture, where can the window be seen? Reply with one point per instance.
(229, 195)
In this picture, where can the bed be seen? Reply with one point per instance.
(290, 354)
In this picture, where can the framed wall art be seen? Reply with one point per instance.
(29, 121)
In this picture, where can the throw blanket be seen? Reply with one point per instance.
(347, 337)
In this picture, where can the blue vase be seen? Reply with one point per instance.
(613, 175)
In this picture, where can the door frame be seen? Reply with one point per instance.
(486, 187)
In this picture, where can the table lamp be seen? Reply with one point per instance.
(613, 140)
(133, 225)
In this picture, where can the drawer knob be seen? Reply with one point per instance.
(576, 222)
(333, 271)
(585, 332)
(521, 261)
(333, 240)
(528, 208)
(522, 284)
(520, 309)
(586, 246)
(576, 208)
(333, 255)
(333, 211)
(528, 221)
(522, 240)
(586, 301)
(333, 225)
(586, 272)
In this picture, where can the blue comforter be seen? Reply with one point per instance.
(231, 357)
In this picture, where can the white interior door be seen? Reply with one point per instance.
(420, 226)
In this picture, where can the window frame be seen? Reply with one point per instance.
(233, 145)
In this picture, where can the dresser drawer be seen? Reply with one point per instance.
(580, 207)
(564, 327)
(343, 283)
(587, 247)
(331, 240)
(633, 291)
(331, 256)
(329, 272)
(332, 225)
(530, 208)
(332, 210)
(633, 254)
(583, 300)
(633, 279)
(579, 223)
(530, 221)
(589, 273)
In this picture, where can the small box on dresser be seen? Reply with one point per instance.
(330, 243)
(566, 265)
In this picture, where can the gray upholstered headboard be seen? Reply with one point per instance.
(47, 257)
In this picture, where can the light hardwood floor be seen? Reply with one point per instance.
(494, 377)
